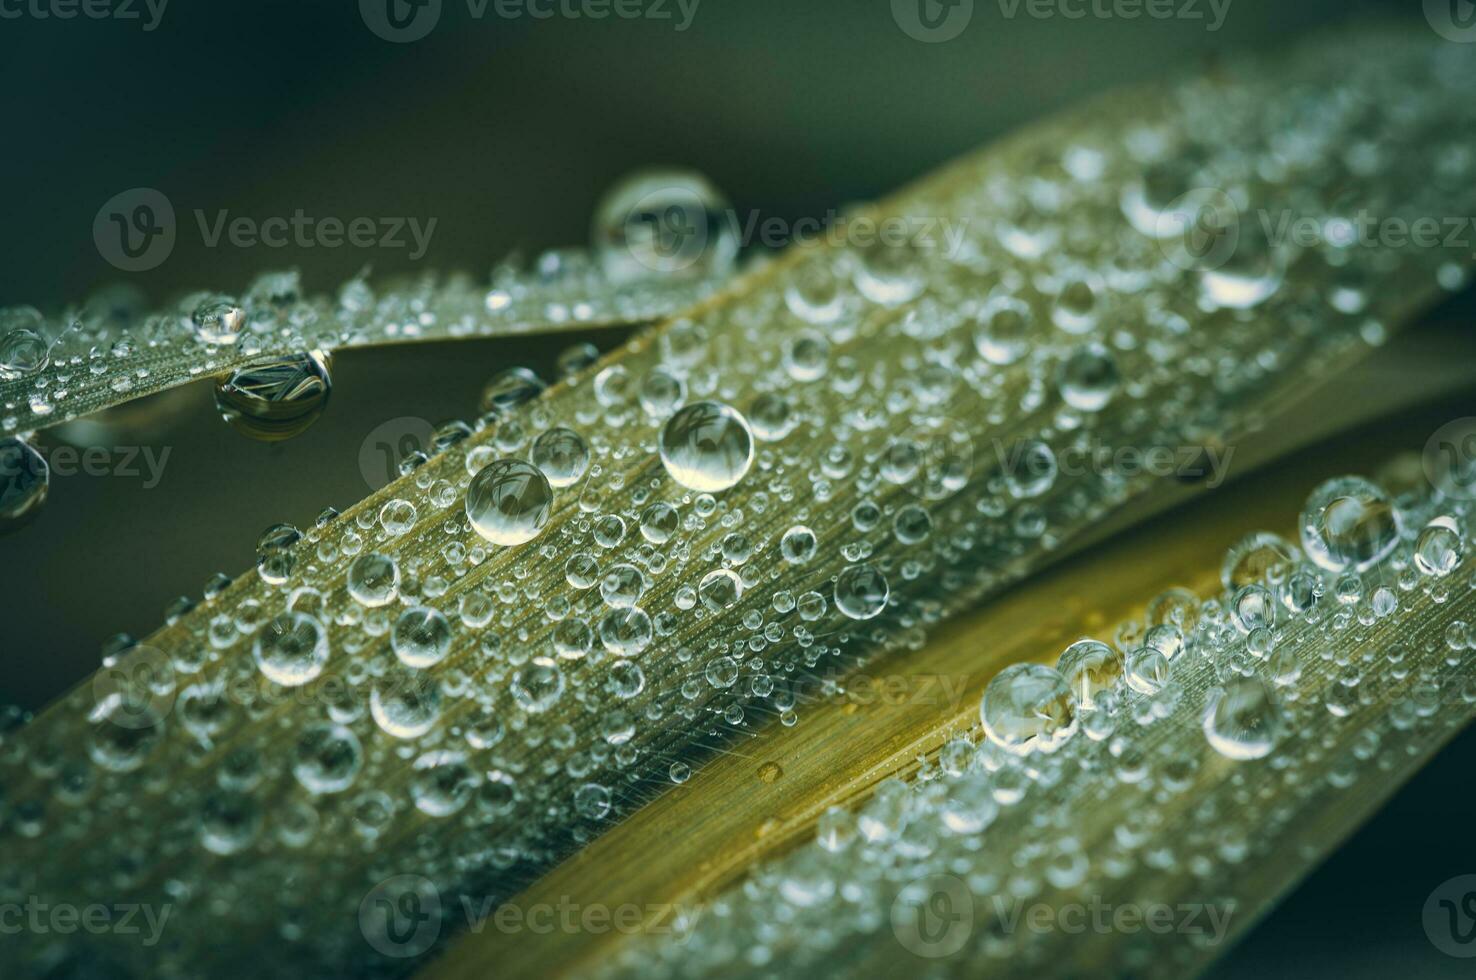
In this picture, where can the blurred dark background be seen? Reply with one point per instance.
(506, 132)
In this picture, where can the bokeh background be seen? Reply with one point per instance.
(506, 132)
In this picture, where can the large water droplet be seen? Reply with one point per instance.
(327, 759)
(23, 350)
(508, 502)
(1028, 708)
(1243, 720)
(664, 223)
(562, 455)
(1088, 378)
(291, 649)
(1348, 523)
(707, 446)
(374, 580)
(421, 637)
(24, 480)
(861, 591)
(276, 401)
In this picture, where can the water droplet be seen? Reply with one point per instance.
(374, 580)
(327, 759)
(1255, 558)
(861, 591)
(1348, 523)
(1090, 668)
(443, 783)
(510, 388)
(664, 223)
(23, 351)
(508, 502)
(720, 589)
(562, 455)
(291, 649)
(1030, 469)
(218, 321)
(421, 637)
(1002, 330)
(592, 801)
(1243, 719)
(278, 400)
(1088, 378)
(798, 545)
(24, 480)
(405, 703)
(1028, 708)
(814, 293)
(1437, 550)
(707, 446)
(537, 685)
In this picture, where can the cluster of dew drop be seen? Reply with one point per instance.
(1320, 664)
(564, 603)
(269, 347)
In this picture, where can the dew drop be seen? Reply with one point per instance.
(508, 502)
(707, 446)
(278, 400)
(291, 649)
(1028, 708)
